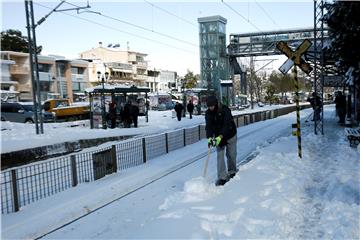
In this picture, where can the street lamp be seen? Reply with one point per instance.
(103, 77)
(184, 96)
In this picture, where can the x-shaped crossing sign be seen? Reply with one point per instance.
(294, 56)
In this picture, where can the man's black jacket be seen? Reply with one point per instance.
(178, 108)
(220, 122)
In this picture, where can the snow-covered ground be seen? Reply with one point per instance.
(275, 195)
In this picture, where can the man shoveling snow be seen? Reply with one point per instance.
(221, 133)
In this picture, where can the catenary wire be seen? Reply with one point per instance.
(247, 20)
(139, 27)
(267, 14)
(118, 30)
(170, 13)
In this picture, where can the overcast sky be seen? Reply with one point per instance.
(167, 31)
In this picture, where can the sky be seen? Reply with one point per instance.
(275, 195)
(165, 30)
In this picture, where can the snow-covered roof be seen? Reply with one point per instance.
(120, 87)
(9, 91)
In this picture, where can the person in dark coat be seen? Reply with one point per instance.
(316, 104)
(340, 104)
(190, 108)
(178, 109)
(134, 111)
(112, 114)
(126, 115)
(221, 132)
(198, 108)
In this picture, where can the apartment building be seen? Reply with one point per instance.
(167, 80)
(58, 77)
(161, 80)
(124, 67)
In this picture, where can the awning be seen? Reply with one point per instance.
(9, 82)
(121, 70)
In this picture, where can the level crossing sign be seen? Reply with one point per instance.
(294, 57)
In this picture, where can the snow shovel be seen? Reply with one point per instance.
(206, 162)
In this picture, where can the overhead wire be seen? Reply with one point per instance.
(140, 27)
(267, 14)
(118, 30)
(239, 14)
(170, 13)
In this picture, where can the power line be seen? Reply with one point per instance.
(247, 20)
(266, 13)
(140, 27)
(118, 30)
(170, 13)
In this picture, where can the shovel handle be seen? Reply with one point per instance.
(207, 162)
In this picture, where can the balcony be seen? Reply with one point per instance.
(141, 77)
(77, 77)
(45, 76)
(19, 70)
(142, 65)
(120, 67)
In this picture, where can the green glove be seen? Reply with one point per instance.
(218, 140)
(210, 142)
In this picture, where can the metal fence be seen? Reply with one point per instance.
(21, 186)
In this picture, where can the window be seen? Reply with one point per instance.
(60, 71)
(45, 86)
(10, 108)
(77, 70)
(5, 107)
(44, 67)
(78, 86)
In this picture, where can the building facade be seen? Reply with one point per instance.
(58, 77)
(167, 80)
(161, 80)
(124, 67)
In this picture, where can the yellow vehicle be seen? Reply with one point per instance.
(64, 110)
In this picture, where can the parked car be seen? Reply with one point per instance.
(22, 113)
(47, 116)
(260, 104)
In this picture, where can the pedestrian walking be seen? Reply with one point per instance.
(112, 114)
(198, 108)
(134, 112)
(340, 104)
(127, 115)
(190, 108)
(221, 132)
(316, 104)
(178, 109)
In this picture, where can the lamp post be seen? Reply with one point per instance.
(103, 77)
(184, 97)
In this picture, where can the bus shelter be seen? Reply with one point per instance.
(198, 96)
(101, 95)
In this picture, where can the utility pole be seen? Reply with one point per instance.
(35, 82)
(251, 77)
(252, 82)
